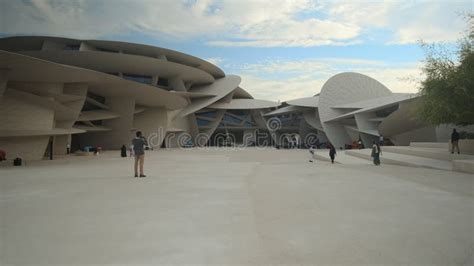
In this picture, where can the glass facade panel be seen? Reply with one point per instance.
(163, 82)
(72, 47)
(210, 114)
(138, 78)
(237, 118)
(203, 122)
(231, 120)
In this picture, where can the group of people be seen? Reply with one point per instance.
(139, 143)
(377, 151)
(332, 152)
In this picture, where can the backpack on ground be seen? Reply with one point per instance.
(17, 161)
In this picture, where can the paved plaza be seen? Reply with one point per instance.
(227, 206)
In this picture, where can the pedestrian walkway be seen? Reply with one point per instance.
(341, 158)
(402, 159)
(228, 206)
(419, 154)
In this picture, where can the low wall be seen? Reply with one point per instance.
(466, 166)
(466, 146)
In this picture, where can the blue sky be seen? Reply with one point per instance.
(281, 49)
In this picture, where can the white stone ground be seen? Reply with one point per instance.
(226, 206)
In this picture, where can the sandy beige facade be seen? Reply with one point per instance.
(57, 92)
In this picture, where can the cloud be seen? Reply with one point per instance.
(280, 90)
(215, 60)
(403, 78)
(306, 42)
(307, 66)
(405, 21)
(308, 76)
(257, 23)
(243, 23)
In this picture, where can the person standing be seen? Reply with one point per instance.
(332, 152)
(3, 155)
(68, 148)
(123, 151)
(131, 150)
(381, 140)
(454, 141)
(360, 145)
(139, 144)
(376, 151)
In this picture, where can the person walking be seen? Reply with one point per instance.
(454, 141)
(376, 151)
(332, 152)
(381, 140)
(311, 151)
(139, 144)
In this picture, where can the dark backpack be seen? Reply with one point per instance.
(17, 161)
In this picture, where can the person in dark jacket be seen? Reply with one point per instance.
(3, 155)
(123, 151)
(454, 141)
(139, 143)
(376, 151)
(332, 152)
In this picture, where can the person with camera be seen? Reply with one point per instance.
(139, 143)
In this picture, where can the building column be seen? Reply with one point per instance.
(86, 47)
(177, 84)
(121, 127)
(153, 124)
(50, 45)
(20, 113)
(363, 123)
(154, 80)
(76, 89)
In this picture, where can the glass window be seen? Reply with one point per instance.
(89, 106)
(163, 82)
(231, 119)
(72, 47)
(210, 114)
(107, 50)
(138, 78)
(96, 97)
(248, 124)
(202, 122)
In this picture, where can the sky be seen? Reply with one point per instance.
(282, 49)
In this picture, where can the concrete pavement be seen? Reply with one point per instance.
(226, 206)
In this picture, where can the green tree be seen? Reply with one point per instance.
(447, 93)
